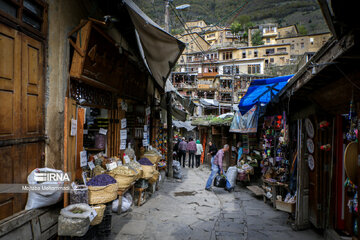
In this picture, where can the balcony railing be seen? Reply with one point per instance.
(208, 74)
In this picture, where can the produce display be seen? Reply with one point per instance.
(101, 180)
(124, 170)
(145, 161)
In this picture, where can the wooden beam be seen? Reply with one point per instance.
(66, 195)
(79, 141)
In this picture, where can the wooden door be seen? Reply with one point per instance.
(21, 113)
(318, 178)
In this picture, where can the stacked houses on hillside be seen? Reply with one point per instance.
(217, 65)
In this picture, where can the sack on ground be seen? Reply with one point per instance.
(46, 197)
(231, 175)
(74, 220)
(220, 181)
(125, 205)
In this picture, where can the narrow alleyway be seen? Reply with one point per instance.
(184, 210)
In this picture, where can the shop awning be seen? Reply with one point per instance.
(186, 102)
(209, 102)
(159, 50)
(187, 125)
(261, 92)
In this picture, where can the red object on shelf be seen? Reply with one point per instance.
(325, 147)
(324, 124)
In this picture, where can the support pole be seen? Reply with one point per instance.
(169, 134)
(167, 16)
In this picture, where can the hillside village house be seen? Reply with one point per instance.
(215, 57)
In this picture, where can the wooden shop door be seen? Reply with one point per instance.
(319, 183)
(21, 113)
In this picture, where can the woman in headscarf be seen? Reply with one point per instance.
(199, 150)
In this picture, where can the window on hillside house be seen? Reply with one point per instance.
(270, 51)
(292, 46)
(267, 40)
(281, 49)
(237, 69)
(312, 41)
(253, 68)
(243, 54)
(227, 70)
(302, 45)
(227, 55)
(255, 53)
(271, 60)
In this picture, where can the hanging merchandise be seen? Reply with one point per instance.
(326, 147)
(310, 145)
(311, 162)
(324, 124)
(351, 135)
(309, 128)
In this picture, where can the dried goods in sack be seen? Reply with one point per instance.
(74, 220)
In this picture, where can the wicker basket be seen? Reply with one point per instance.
(154, 178)
(284, 206)
(100, 209)
(124, 181)
(148, 171)
(102, 194)
(154, 158)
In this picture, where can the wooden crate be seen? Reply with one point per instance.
(285, 207)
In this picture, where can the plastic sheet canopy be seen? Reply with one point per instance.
(261, 92)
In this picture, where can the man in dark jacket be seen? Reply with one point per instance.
(212, 152)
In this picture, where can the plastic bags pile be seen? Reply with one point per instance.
(177, 170)
(125, 205)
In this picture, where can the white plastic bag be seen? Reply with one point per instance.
(125, 205)
(43, 198)
(231, 175)
(74, 224)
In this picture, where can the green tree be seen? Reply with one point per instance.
(256, 38)
(302, 30)
(235, 27)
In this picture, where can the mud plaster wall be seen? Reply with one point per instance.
(63, 16)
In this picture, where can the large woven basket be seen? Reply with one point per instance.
(102, 194)
(148, 171)
(154, 158)
(155, 177)
(124, 181)
(100, 209)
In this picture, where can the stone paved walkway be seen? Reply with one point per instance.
(213, 215)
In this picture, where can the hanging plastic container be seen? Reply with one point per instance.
(100, 141)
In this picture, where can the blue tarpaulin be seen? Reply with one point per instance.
(261, 92)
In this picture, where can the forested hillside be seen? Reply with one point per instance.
(284, 12)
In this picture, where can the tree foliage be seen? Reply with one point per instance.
(302, 29)
(256, 38)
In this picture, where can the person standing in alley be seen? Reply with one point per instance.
(240, 152)
(182, 151)
(212, 152)
(176, 149)
(191, 147)
(217, 168)
(199, 151)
